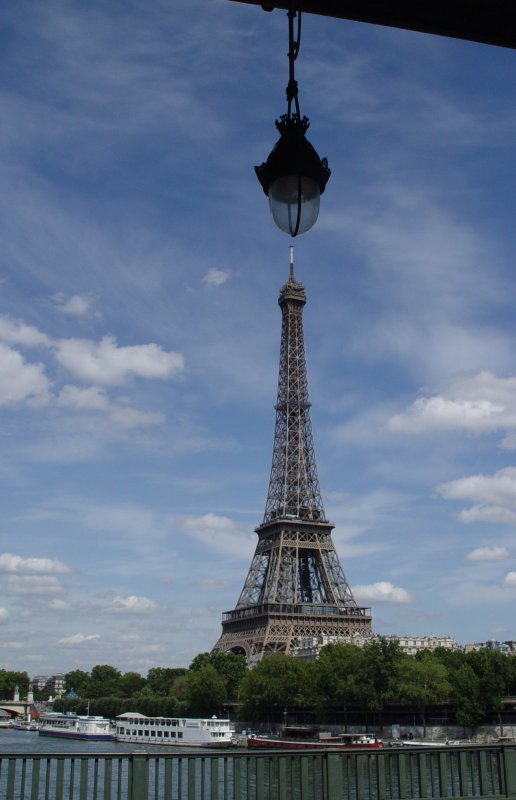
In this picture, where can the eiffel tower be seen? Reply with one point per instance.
(296, 589)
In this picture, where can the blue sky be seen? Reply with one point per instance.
(139, 326)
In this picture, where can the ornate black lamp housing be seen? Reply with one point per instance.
(293, 177)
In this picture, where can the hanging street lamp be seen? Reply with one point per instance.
(293, 177)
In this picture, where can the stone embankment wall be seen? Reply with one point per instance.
(484, 734)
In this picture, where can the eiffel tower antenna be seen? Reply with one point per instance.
(296, 589)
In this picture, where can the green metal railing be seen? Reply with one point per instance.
(403, 774)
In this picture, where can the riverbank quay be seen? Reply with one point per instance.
(474, 771)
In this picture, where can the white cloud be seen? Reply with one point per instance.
(127, 417)
(477, 403)
(30, 585)
(499, 488)
(488, 554)
(20, 381)
(92, 398)
(16, 332)
(76, 306)
(107, 363)
(219, 533)
(4, 614)
(493, 496)
(510, 579)
(381, 592)
(78, 638)
(31, 566)
(216, 277)
(430, 413)
(492, 514)
(131, 605)
(59, 605)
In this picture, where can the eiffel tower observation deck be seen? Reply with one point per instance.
(296, 589)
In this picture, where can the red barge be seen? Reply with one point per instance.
(345, 741)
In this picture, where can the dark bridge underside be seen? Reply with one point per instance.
(485, 21)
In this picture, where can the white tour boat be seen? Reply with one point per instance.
(172, 731)
(72, 726)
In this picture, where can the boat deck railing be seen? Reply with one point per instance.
(388, 774)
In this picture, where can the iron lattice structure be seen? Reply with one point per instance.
(296, 589)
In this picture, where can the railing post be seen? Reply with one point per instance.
(334, 776)
(138, 777)
(509, 767)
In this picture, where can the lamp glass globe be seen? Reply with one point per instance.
(289, 193)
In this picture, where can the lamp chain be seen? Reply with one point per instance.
(293, 52)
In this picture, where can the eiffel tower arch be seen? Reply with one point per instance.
(296, 588)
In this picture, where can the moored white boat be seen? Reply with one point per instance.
(72, 726)
(24, 725)
(422, 743)
(174, 731)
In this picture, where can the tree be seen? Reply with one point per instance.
(380, 661)
(205, 691)
(130, 683)
(277, 683)
(77, 681)
(179, 692)
(105, 681)
(337, 677)
(467, 696)
(421, 683)
(230, 666)
(493, 671)
(511, 675)
(160, 680)
(10, 680)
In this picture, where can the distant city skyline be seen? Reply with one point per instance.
(139, 326)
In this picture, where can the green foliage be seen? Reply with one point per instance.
(230, 666)
(420, 683)
(381, 659)
(131, 683)
(467, 696)
(204, 691)
(10, 680)
(105, 681)
(344, 677)
(493, 671)
(160, 680)
(77, 681)
(337, 677)
(212, 680)
(277, 683)
(111, 707)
